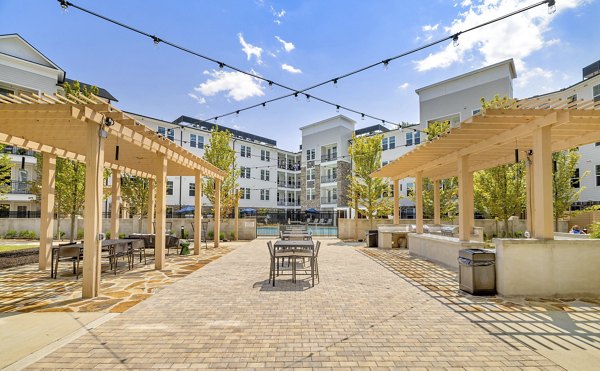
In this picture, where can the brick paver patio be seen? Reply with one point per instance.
(226, 315)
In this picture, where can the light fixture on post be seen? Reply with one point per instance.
(108, 121)
(551, 6)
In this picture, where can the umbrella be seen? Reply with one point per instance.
(311, 211)
(248, 211)
(187, 209)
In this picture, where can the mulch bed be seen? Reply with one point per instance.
(15, 258)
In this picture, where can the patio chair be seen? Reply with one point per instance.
(171, 242)
(276, 256)
(120, 250)
(138, 245)
(70, 253)
(312, 256)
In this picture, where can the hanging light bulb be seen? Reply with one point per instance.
(362, 116)
(335, 83)
(264, 104)
(551, 6)
(296, 96)
(216, 118)
(307, 97)
(455, 41)
(386, 64)
(337, 109)
(221, 65)
(156, 40)
(271, 85)
(64, 4)
(237, 113)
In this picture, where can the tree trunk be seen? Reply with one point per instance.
(505, 227)
(140, 224)
(58, 226)
(73, 231)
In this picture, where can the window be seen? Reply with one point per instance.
(417, 137)
(383, 163)
(162, 131)
(310, 154)
(575, 179)
(169, 188)
(192, 189)
(245, 172)
(245, 193)
(245, 151)
(572, 98)
(264, 195)
(310, 174)
(200, 142)
(193, 141)
(597, 175)
(169, 133)
(596, 93)
(265, 155)
(310, 194)
(410, 189)
(409, 139)
(5, 92)
(476, 111)
(392, 142)
(265, 175)
(384, 144)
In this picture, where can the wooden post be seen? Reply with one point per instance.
(529, 182)
(419, 201)
(542, 186)
(236, 216)
(217, 206)
(115, 203)
(437, 217)
(198, 214)
(465, 199)
(151, 201)
(396, 201)
(47, 209)
(92, 247)
(161, 211)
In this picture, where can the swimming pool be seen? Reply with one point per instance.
(315, 230)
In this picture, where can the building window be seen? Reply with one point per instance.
(409, 139)
(193, 141)
(383, 163)
(310, 174)
(245, 193)
(392, 142)
(245, 172)
(310, 154)
(200, 142)
(192, 189)
(265, 175)
(572, 98)
(597, 175)
(162, 131)
(384, 144)
(476, 111)
(417, 137)
(265, 155)
(310, 194)
(246, 151)
(5, 92)
(169, 188)
(575, 179)
(169, 133)
(410, 190)
(264, 195)
(596, 93)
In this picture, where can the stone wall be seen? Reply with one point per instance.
(343, 187)
(440, 249)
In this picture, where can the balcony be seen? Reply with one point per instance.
(329, 157)
(288, 203)
(20, 188)
(291, 185)
(328, 200)
(328, 179)
(292, 166)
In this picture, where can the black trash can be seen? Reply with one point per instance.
(477, 271)
(371, 238)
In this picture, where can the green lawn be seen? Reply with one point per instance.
(16, 247)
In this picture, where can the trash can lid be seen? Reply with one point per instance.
(478, 254)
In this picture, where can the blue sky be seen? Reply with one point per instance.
(299, 43)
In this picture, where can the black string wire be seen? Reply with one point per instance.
(295, 92)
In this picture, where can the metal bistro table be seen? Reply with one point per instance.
(296, 235)
(301, 249)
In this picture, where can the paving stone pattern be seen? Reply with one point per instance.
(226, 315)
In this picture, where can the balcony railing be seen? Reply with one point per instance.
(328, 179)
(328, 200)
(293, 185)
(288, 166)
(20, 188)
(18, 151)
(288, 203)
(329, 157)
(19, 214)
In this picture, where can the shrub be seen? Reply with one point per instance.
(595, 230)
(222, 235)
(107, 234)
(28, 235)
(61, 234)
(211, 235)
(232, 235)
(121, 235)
(79, 234)
(10, 234)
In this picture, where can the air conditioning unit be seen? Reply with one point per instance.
(591, 70)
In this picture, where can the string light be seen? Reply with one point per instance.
(307, 97)
(335, 83)
(385, 64)
(455, 41)
(337, 109)
(551, 8)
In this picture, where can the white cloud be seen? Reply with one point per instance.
(277, 21)
(465, 3)
(288, 46)
(200, 100)
(552, 42)
(250, 49)
(404, 86)
(290, 69)
(516, 37)
(428, 27)
(278, 14)
(237, 85)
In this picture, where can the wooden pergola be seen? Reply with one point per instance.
(93, 132)
(533, 128)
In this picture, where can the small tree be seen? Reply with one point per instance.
(135, 191)
(368, 192)
(220, 153)
(5, 171)
(563, 182)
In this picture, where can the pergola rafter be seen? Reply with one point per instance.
(91, 131)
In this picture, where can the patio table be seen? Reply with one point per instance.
(301, 249)
(296, 235)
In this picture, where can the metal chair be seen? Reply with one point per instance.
(67, 252)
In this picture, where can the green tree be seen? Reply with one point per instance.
(5, 171)
(134, 192)
(220, 153)
(563, 181)
(500, 191)
(75, 89)
(368, 192)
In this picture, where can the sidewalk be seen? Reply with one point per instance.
(226, 315)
